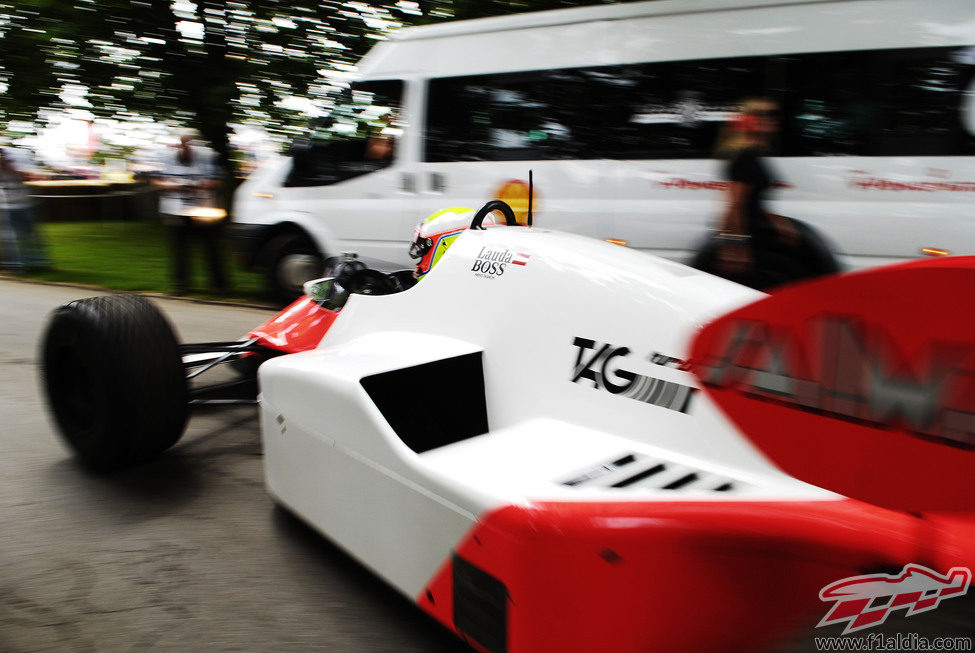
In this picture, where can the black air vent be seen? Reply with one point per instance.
(636, 478)
(480, 606)
(433, 404)
(601, 470)
(635, 471)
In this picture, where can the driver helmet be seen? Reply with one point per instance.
(434, 235)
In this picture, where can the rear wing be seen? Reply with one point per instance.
(863, 384)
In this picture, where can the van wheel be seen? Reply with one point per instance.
(114, 380)
(293, 260)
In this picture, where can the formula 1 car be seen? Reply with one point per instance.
(113, 366)
(556, 444)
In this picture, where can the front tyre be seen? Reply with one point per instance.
(114, 380)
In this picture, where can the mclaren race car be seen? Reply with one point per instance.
(553, 443)
(113, 366)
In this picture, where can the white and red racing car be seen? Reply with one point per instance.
(557, 444)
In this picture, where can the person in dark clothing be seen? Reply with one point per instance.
(753, 245)
(189, 207)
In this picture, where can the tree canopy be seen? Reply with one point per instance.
(202, 63)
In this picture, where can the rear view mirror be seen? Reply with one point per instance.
(327, 292)
(318, 289)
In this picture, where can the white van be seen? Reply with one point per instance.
(617, 108)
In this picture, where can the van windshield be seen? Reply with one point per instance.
(357, 137)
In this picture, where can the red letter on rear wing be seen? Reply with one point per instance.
(863, 384)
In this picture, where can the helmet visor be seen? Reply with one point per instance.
(420, 247)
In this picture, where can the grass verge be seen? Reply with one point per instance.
(133, 256)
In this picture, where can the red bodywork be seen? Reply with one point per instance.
(863, 383)
(298, 327)
(673, 576)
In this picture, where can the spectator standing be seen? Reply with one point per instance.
(21, 245)
(751, 242)
(189, 184)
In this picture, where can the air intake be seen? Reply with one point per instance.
(637, 471)
(458, 385)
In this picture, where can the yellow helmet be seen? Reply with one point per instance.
(434, 235)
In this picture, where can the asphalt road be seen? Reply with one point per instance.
(188, 553)
(184, 554)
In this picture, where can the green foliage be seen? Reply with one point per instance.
(203, 63)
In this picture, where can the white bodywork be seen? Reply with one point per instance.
(870, 210)
(333, 458)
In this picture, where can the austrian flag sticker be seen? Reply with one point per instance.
(493, 262)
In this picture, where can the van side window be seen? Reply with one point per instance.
(907, 102)
(356, 138)
(827, 105)
(911, 102)
(921, 96)
(670, 110)
(505, 117)
(644, 111)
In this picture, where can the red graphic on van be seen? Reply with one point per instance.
(681, 183)
(863, 181)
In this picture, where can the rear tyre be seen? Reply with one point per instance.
(114, 380)
(292, 259)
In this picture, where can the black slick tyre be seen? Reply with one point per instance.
(114, 380)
